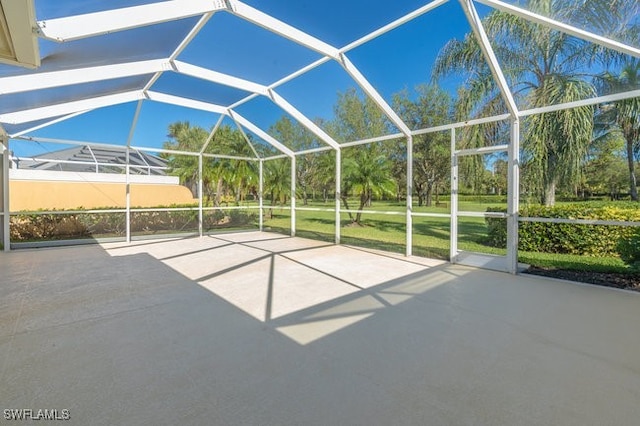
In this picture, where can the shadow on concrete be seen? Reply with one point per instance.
(144, 334)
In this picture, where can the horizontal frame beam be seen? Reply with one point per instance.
(482, 150)
(58, 110)
(185, 102)
(109, 21)
(45, 80)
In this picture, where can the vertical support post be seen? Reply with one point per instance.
(293, 196)
(453, 242)
(200, 184)
(260, 190)
(132, 130)
(4, 178)
(409, 221)
(128, 198)
(338, 189)
(513, 197)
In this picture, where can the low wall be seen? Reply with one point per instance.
(70, 190)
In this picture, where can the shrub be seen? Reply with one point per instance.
(496, 228)
(629, 250)
(590, 240)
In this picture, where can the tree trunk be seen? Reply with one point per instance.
(364, 199)
(429, 195)
(216, 202)
(633, 188)
(549, 196)
(346, 207)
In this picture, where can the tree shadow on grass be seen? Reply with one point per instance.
(437, 231)
(473, 232)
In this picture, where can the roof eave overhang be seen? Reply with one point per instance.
(18, 41)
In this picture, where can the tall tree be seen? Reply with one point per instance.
(367, 170)
(368, 174)
(543, 67)
(219, 176)
(605, 167)
(277, 180)
(431, 152)
(622, 116)
(297, 137)
(184, 137)
(233, 177)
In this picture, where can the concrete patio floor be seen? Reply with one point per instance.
(261, 329)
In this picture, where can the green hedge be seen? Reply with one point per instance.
(589, 240)
(629, 249)
(63, 226)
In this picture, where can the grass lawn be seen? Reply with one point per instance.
(430, 234)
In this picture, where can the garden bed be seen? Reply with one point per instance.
(629, 281)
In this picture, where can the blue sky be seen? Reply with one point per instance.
(397, 60)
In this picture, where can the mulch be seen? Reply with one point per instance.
(623, 281)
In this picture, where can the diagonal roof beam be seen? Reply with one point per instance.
(285, 30)
(218, 77)
(303, 119)
(373, 94)
(395, 24)
(48, 123)
(560, 26)
(57, 110)
(185, 102)
(183, 45)
(211, 134)
(51, 79)
(249, 86)
(80, 26)
(45, 80)
(108, 21)
(258, 131)
(490, 56)
(246, 138)
(272, 24)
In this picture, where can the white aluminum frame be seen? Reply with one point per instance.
(6, 208)
(109, 21)
(560, 26)
(87, 25)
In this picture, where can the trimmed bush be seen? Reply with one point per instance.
(629, 249)
(589, 240)
(32, 227)
(63, 226)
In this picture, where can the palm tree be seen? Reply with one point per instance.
(366, 169)
(277, 179)
(543, 67)
(622, 116)
(235, 176)
(367, 173)
(185, 137)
